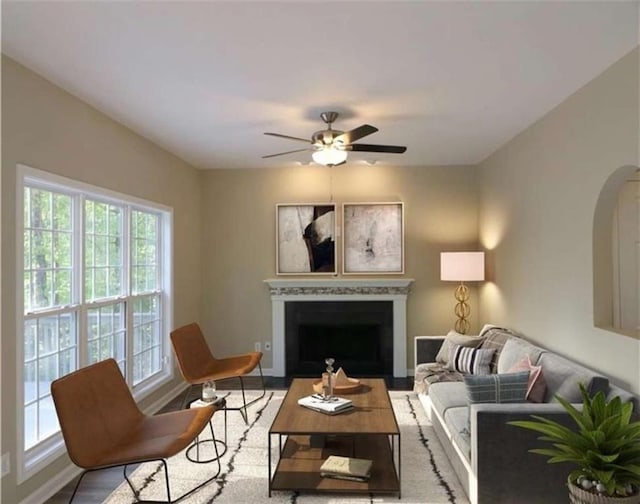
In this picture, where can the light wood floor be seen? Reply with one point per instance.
(97, 486)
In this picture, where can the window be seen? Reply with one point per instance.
(96, 269)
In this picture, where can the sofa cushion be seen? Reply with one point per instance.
(537, 384)
(495, 338)
(514, 350)
(455, 338)
(447, 395)
(470, 360)
(457, 421)
(563, 376)
(497, 388)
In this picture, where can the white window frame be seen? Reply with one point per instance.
(30, 462)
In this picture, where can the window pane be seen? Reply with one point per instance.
(67, 361)
(67, 331)
(62, 249)
(62, 212)
(62, 287)
(89, 251)
(106, 329)
(30, 338)
(48, 254)
(50, 351)
(103, 250)
(144, 237)
(47, 335)
(30, 425)
(146, 338)
(40, 208)
(30, 385)
(100, 282)
(47, 372)
(26, 256)
(47, 418)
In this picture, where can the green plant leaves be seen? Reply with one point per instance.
(605, 445)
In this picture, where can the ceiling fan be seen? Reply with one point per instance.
(330, 146)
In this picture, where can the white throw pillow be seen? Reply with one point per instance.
(470, 360)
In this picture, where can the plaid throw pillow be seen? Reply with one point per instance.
(470, 360)
(497, 388)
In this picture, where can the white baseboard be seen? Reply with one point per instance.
(53, 486)
(63, 477)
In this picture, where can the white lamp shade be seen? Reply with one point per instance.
(462, 266)
(329, 156)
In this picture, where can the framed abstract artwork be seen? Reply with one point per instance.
(306, 235)
(373, 238)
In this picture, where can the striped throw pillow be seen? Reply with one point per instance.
(470, 360)
(497, 388)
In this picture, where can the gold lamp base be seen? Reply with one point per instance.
(462, 309)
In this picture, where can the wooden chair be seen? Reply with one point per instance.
(103, 427)
(198, 365)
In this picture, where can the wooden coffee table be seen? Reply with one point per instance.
(368, 431)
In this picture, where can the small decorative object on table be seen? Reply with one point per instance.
(327, 379)
(209, 391)
(330, 406)
(348, 468)
(340, 383)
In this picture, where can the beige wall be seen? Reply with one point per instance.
(46, 128)
(239, 244)
(538, 195)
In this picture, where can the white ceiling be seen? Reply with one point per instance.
(452, 81)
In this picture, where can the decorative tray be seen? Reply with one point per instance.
(352, 386)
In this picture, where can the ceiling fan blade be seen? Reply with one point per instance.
(356, 134)
(391, 149)
(305, 140)
(283, 153)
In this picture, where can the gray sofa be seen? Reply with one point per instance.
(490, 457)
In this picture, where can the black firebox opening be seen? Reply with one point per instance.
(357, 334)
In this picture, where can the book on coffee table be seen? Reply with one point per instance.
(348, 468)
(331, 406)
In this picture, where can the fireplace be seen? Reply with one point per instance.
(314, 292)
(357, 334)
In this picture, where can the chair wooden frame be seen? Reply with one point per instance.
(198, 365)
(103, 427)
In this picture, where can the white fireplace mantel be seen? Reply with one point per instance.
(340, 289)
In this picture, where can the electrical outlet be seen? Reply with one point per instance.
(267, 346)
(6, 467)
(258, 346)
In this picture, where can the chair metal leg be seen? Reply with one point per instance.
(77, 486)
(243, 408)
(136, 493)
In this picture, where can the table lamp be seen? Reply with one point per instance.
(462, 267)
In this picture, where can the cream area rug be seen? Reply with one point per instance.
(427, 477)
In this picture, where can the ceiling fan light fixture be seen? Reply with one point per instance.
(329, 156)
(330, 147)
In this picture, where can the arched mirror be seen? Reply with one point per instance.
(616, 253)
